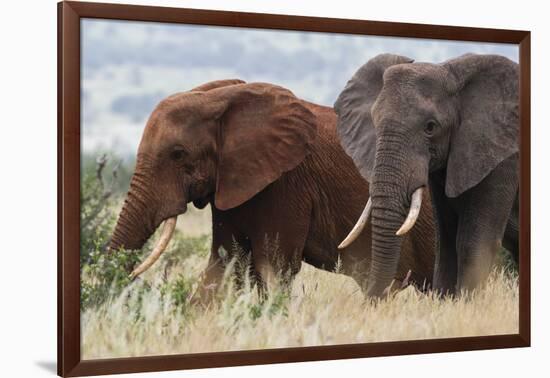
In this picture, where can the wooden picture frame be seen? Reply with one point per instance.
(69, 16)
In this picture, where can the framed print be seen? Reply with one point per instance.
(239, 188)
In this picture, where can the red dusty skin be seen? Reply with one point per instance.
(135, 223)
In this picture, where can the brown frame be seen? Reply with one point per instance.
(69, 15)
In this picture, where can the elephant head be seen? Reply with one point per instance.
(401, 121)
(220, 143)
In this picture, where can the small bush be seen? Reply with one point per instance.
(180, 291)
(105, 276)
(97, 199)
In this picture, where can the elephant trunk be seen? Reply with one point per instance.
(389, 191)
(141, 213)
(136, 221)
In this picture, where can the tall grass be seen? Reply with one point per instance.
(323, 309)
(153, 314)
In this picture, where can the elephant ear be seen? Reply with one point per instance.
(488, 129)
(353, 107)
(264, 131)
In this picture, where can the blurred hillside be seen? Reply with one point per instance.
(128, 67)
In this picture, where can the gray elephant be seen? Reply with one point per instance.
(452, 127)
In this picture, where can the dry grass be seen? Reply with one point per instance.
(152, 316)
(324, 308)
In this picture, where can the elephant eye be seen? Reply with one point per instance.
(430, 127)
(176, 155)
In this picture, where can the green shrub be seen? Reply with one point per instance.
(180, 291)
(97, 214)
(102, 275)
(105, 275)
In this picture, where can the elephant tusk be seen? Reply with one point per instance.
(167, 232)
(359, 226)
(414, 210)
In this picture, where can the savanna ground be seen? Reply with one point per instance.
(152, 315)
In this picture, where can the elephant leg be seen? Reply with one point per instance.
(266, 273)
(511, 234)
(210, 279)
(224, 236)
(484, 215)
(445, 270)
(276, 262)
